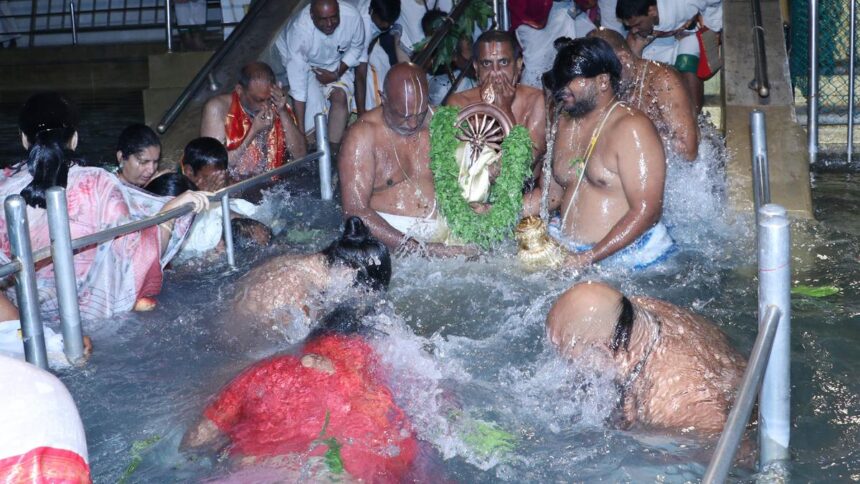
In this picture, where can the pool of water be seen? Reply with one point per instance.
(469, 335)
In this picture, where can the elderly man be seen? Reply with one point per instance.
(676, 370)
(254, 123)
(608, 165)
(498, 63)
(659, 92)
(384, 167)
(320, 48)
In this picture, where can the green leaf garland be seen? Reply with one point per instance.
(506, 194)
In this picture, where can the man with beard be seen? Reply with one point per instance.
(659, 92)
(608, 166)
(498, 62)
(384, 167)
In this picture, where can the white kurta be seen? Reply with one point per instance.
(538, 50)
(674, 14)
(377, 61)
(411, 13)
(302, 46)
(608, 18)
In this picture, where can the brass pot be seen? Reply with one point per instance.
(537, 250)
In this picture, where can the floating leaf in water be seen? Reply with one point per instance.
(303, 236)
(487, 438)
(332, 457)
(815, 291)
(137, 449)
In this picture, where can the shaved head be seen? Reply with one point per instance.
(586, 315)
(613, 38)
(256, 71)
(405, 98)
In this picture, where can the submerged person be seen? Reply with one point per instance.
(608, 166)
(328, 405)
(498, 64)
(116, 275)
(286, 295)
(204, 163)
(138, 151)
(254, 122)
(676, 370)
(384, 167)
(659, 92)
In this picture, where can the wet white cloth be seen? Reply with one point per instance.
(474, 176)
(650, 248)
(40, 421)
(421, 229)
(208, 228)
(302, 46)
(190, 12)
(675, 14)
(12, 343)
(538, 50)
(667, 49)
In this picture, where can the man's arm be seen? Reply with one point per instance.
(360, 87)
(537, 125)
(677, 109)
(212, 121)
(532, 199)
(356, 169)
(641, 167)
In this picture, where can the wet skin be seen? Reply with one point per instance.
(138, 168)
(495, 66)
(621, 194)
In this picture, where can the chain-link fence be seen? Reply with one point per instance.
(833, 52)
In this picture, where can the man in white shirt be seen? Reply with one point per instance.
(565, 20)
(379, 18)
(320, 48)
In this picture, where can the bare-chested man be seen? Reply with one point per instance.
(498, 62)
(246, 121)
(384, 167)
(659, 92)
(608, 166)
(675, 369)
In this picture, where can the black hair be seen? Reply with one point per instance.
(49, 122)
(624, 326)
(583, 57)
(358, 249)
(432, 20)
(170, 185)
(135, 138)
(201, 152)
(497, 36)
(346, 318)
(627, 9)
(243, 232)
(387, 10)
(256, 71)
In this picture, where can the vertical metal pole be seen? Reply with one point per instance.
(496, 20)
(761, 171)
(812, 102)
(506, 16)
(852, 52)
(64, 274)
(228, 229)
(168, 26)
(74, 23)
(774, 273)
(326, 190)
(25, 286)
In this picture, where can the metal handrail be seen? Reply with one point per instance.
(202, 76)
(730, 439)
(760, 84)
(424, 57)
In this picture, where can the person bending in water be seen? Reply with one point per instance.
(676, 370)
(285, 294)
(384, 167)
(498, 62)
(287, 411)
(608, 166)
(659, 92)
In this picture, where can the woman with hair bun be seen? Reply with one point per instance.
(285, 295)
(111, 277)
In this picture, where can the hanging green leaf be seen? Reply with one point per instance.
(815, 291)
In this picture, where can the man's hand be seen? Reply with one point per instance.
(324, 76)
(504, 90)
(262, 122)
(278, 98)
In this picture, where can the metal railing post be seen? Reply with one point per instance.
(774, 272)
(25, 286)
(74, 23)
(228, 229)
(326, 190)
(505, 14)
(496, 19)
(852, 52)
(168, 26)
(812, 102)
(760, 165)
(760, 83)
(64, 274)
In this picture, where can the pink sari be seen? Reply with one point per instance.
(110, 276)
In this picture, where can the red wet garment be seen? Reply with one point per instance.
(533, 13)
(279, 407)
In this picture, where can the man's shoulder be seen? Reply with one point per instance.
(667, 76)
(464, 98)
(367, 124)
(532, 96)
(217, 105)
(630, 120)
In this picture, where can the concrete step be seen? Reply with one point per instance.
(176, 69)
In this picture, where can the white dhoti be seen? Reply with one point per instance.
(207, 229)
(427, 229)
(318, 96)
(12, 344)
(667, 49)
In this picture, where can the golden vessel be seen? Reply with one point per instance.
(537, 251)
